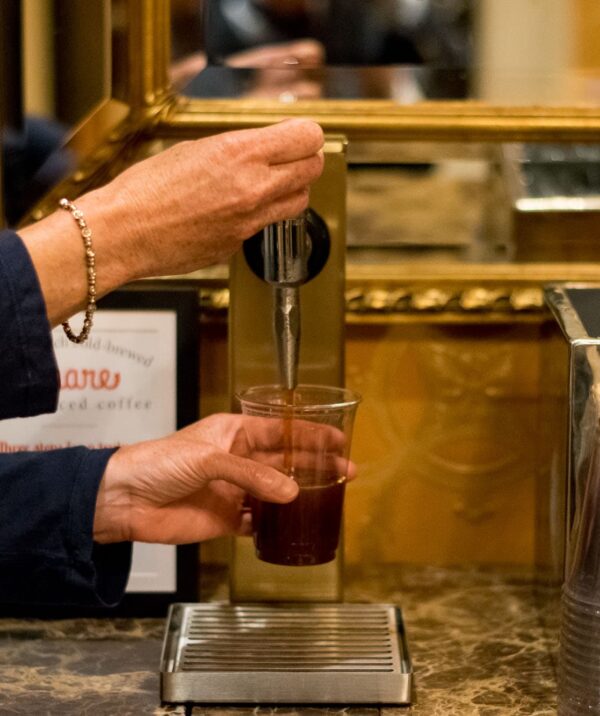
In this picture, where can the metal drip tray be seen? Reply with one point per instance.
(325, 653)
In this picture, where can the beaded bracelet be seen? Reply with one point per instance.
(90, 262)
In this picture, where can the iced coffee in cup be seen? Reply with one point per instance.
(305, 433)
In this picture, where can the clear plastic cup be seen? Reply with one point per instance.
(579, 653)
(305, 433)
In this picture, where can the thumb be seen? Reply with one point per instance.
(259, 480)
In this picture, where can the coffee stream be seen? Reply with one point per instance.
(289, 396)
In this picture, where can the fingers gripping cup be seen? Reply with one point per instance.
(305, 433)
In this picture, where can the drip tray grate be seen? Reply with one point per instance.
(317, 653)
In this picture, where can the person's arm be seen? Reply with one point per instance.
(187, 207)
(47, 499)
(68, 517)
(47, 552)
(28, 370)
(58, 508)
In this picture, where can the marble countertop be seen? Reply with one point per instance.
(476, 640)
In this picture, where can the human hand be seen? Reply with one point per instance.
(187, 207)
(185, 69)
(300, 53)
(281, 69)
(195, 203)
(190, 486)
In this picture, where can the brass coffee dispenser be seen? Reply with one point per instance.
(259, 355)
(303, 649)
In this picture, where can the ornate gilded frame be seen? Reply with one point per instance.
(150, 109)
(150, 105)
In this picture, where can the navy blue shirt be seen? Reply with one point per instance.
(47, 499)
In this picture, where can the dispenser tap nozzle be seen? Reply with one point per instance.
(286, 248)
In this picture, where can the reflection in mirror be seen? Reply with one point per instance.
(60, 72)
(307, 47)
(402, 50)
(428, 205)
(471, 203)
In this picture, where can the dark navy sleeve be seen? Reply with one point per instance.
(47, 553)
(47, 499)
(28, 371)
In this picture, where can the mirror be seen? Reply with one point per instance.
(450, 204)
(406, 51)
(482, 74)
(463, 65)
